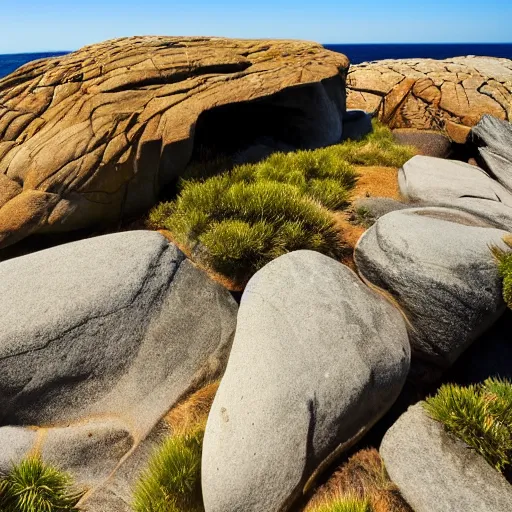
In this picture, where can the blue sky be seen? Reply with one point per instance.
(36, 25)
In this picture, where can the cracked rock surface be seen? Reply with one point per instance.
(98, 339)
(427, 94)
(317, 359)
(92, 136)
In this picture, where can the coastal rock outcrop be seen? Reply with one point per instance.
(437, 472)
(98, 339)
(450, 95)
(437, 266)
(317, 359)
(91, 137)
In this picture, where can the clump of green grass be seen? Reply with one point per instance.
(377, 149)
(237, 225)
(504, 259)
(33, 486)
(172, 481)
(344, 503)
(237, 221)
(480, 415)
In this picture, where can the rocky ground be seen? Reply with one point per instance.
(103, 340)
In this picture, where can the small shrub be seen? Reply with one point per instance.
(33, 486)
(172, 481)
(344, 504)
(480, 415)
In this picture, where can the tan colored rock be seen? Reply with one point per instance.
(449, 95)
(102, 130)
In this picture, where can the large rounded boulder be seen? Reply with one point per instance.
(93, 136)
(437, 265)
(317, 359)
(98, 340)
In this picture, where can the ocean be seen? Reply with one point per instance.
(356, 52)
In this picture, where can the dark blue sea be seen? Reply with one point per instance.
(356, 52)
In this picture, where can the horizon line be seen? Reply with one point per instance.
(323, 44)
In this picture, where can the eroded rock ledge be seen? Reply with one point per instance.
(450, 95)
(92, 136)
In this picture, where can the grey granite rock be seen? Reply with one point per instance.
(494, 140)
(356, 124)
(98, 339)
(437, 265)
(457, 185)
(437, 472)
(369, 209)
(317, 359)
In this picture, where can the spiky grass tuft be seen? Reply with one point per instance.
(344, 503)
(33, 486)
(480, 415)
(172, 481)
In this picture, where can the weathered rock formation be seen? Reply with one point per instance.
(450, 95)
(317, 359)
(93, 136)
(98, 339)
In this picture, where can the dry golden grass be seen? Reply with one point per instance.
(365, 477)
(193, 410)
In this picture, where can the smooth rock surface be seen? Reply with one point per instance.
(317, 359)
(98, 340)
(437, 472)
(455, 184)
(372, 208)
(426, 94)
(494, 140)
(93, 136)
(437, 265)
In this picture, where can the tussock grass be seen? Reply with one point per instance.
(172, 480)
(480, 415)
(238, 220)
(33, 486)
(362, 477)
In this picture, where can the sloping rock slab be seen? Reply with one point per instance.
(92, 136)
(98, 339)
(450, 95)
(317, 359)
(437, 472)
(437, 265)
(455, 184)
(494, 140)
